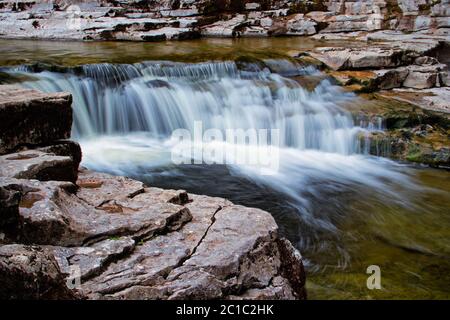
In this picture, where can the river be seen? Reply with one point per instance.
(342, 208)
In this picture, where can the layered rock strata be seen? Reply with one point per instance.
(185, 19)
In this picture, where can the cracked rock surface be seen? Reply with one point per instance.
(128, 241)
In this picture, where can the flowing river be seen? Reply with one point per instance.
(343, 209)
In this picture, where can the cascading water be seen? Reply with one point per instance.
(125, 114)
(159, 97)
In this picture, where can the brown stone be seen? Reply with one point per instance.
(30, 117)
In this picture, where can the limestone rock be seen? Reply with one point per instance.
(224, 250)
(9, 212)
(424, 76)
(35, 164)
(91, 260)
(134, 242)
(30, 117)
(362, 58)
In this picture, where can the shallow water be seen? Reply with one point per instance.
(343, 209)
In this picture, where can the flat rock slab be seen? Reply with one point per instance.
(435, 99)
(52, 214)
(124, 240)
(35, 164)
(91, 260)
(339, 58)
(223, 251)
(30, 117)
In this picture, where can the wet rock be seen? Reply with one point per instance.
(390, 78)
(291, 269)
(34, 164)
(30, 272)
(372, 80)
(134, 242)
(30, 117)
(410, 144)
(152, 260)
(278, 290)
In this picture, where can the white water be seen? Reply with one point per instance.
(125, 114)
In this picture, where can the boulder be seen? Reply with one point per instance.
(93, 259)
(129, 241)
(389, 78)
(35, 164)
(338, 58)
(30, 117)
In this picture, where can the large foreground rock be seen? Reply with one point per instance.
(129, 241)
(29, 117)
(435, 99)
(30, 272)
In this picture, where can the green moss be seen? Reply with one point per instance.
(414, 153)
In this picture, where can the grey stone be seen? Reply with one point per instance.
(30, 117)
(35, 164)
(30, 272)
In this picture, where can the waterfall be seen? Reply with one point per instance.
(159, 97)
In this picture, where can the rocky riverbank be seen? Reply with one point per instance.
(187, 19)
(70, 233)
